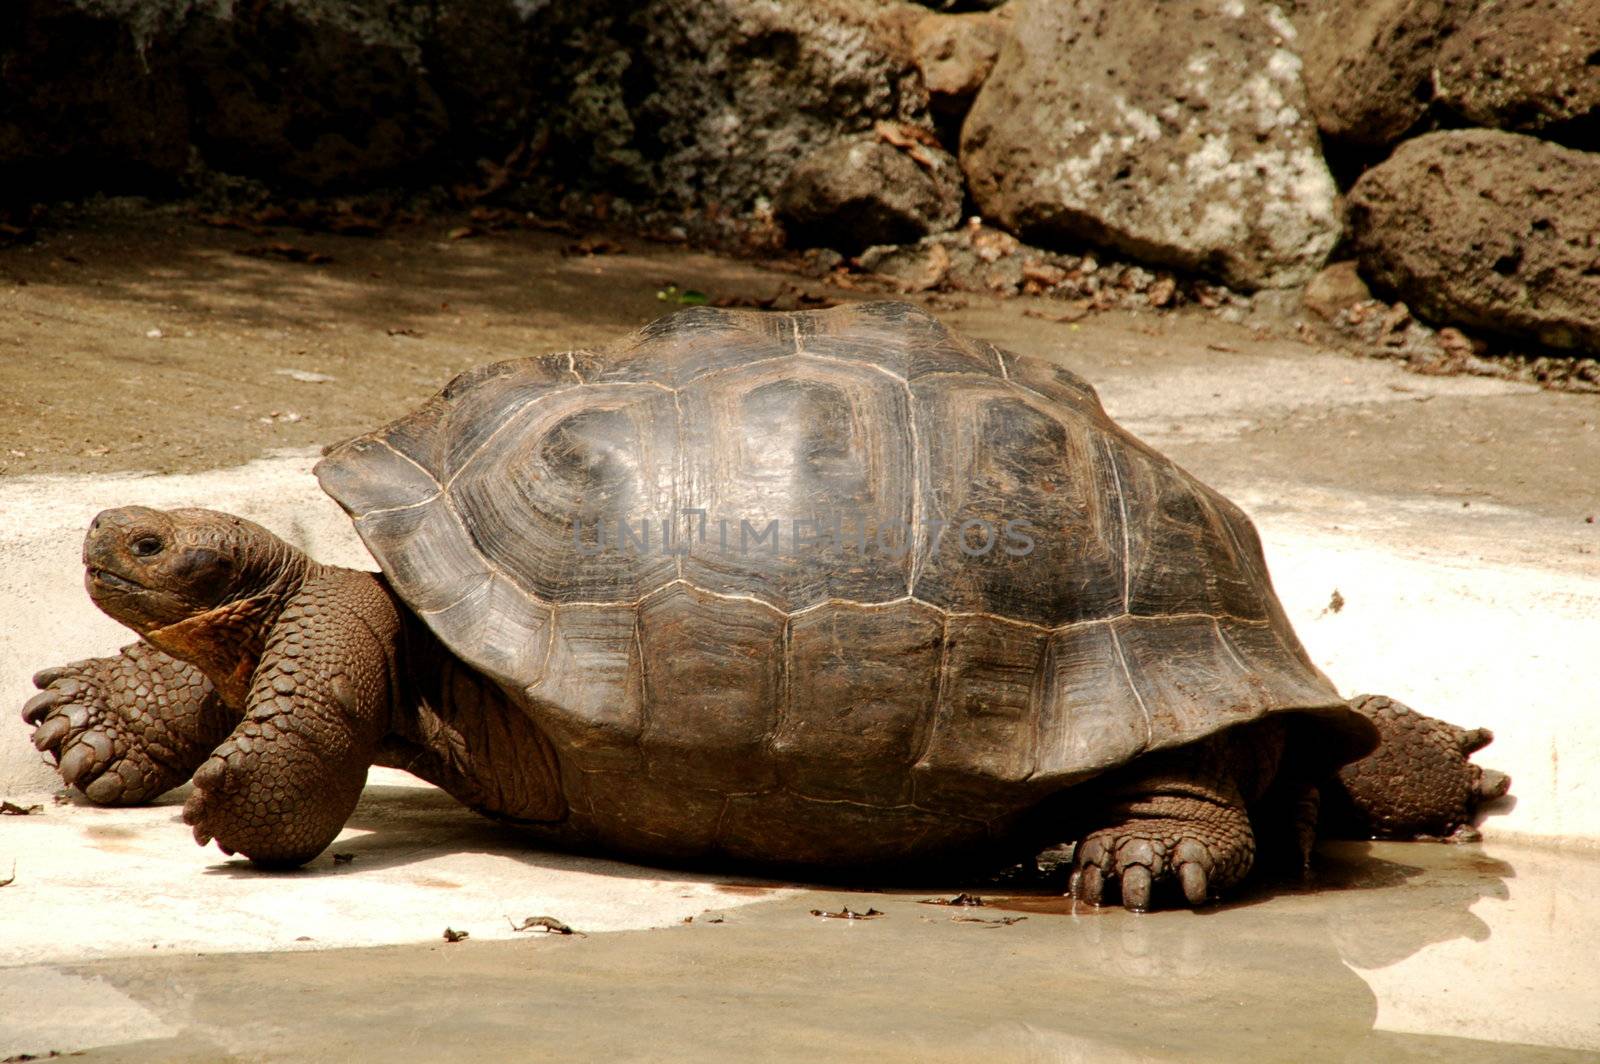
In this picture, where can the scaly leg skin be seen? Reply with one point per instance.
(125, 729)
(1180, 818)
(281, 787)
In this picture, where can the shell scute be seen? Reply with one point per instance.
(898, 339)
(1031, 520)
(785, 467)
(862, 718)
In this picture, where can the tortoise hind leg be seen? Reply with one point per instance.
(461, 734)
(1178, 819)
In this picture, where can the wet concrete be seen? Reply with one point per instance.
(1404, 952)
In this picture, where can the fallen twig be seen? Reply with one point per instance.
(547, 924)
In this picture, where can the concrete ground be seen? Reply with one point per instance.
(1455, 518)
(1405, 952)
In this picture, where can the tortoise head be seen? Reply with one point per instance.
(152, 569)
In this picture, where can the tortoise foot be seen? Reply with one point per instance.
(264, 795)
(1148, 860)
(124, 729)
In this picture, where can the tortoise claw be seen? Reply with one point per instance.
(1088, 886)
(1136, 886)
(45, 677)
(47, 737)
(1474, 740)
(77, 764)
(1192, 878)
(38, 707)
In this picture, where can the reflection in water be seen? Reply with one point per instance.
(1378, 935)
(1267, 974)
(1367, 903)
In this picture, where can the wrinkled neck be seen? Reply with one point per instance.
(226, 642)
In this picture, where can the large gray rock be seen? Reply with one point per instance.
(1177, 133)
(1369, 63)
(865, 190)
(1488, 229)
(1527, 65)
(711, 103)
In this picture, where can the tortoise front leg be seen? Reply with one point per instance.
(124, 729)
(280, 788)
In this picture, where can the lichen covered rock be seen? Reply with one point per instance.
(1488, 229)
(1178, 133)
(682, 105)
(711, 103)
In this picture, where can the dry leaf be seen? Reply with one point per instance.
(1078, 312)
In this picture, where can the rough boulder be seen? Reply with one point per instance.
(1178, 133)
(1488, 229)
(1369, 64)
(868, 189)
(711, 103)
(1527, 65)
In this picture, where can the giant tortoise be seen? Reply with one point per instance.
(818, 591)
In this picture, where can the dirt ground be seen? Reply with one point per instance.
(146, 340)
(151, 342)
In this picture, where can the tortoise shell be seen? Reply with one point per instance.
(594, 530)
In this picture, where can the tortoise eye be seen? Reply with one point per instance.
(145, 546)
